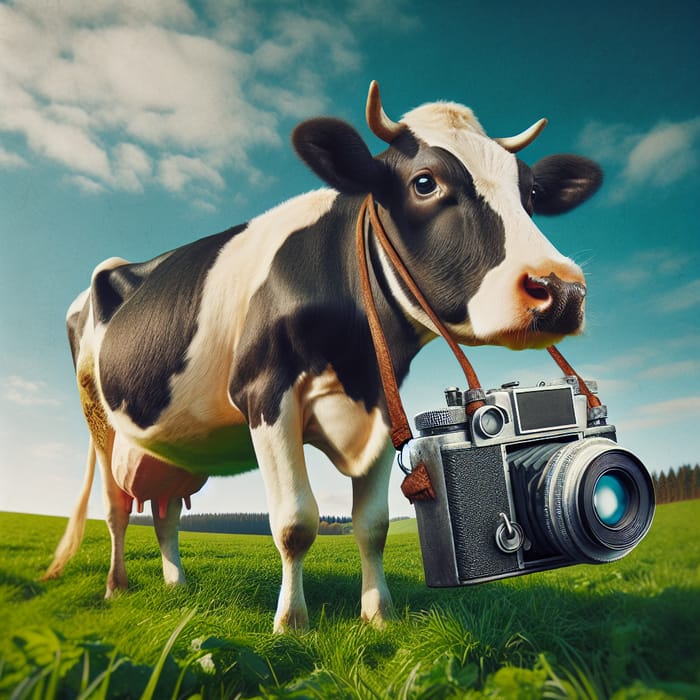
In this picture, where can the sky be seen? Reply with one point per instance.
(129, 128)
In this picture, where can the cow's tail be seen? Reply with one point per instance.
(73, 536)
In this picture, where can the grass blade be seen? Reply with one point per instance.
(103, 680)
(153, 681)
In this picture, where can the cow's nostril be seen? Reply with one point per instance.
(557, 306)
(537, 288)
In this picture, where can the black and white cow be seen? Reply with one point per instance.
(232, 352)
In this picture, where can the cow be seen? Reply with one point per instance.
(232, 352)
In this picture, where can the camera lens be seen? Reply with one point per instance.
(594, 500)
(611, 497)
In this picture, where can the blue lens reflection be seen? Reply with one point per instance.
(610, 499)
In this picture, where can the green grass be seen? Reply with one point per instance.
(624, 630)
(405, 526)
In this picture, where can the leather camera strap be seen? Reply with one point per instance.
(400, 428)
(569, 371)
(401, 431)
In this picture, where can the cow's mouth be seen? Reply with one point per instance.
(531, 332)
(525, 339)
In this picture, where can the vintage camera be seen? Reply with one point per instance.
(533, 480)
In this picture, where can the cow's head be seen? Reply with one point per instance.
(457, 206)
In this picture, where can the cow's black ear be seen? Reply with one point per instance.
(562, 182)
(338, 155)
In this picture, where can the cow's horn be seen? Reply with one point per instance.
(517, 143)
(377, 120)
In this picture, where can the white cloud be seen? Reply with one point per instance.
(660, 157)
(681, 298)
(69, 114)
(645, 266)
(690, 341)
(203, 205)
(27, 392)
(664, 155)
(672, 369)
(606, 142)
(132, 167)
(176, 172)
(291, 103)
(686, 405)
(85, 184)
(634, 358)
(685, 409)
(125, 95)
(11, 160)
(297, 36)
(56, 15)
(59, 141)
(396, 16)
(641, 277)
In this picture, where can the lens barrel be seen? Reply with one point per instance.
(595, 500)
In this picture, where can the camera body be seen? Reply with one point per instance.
(533, 480)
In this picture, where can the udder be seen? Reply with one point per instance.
(146, 478)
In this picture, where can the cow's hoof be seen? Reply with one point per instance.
(378, 620)
(377, 608)
(293, 621)
(112, 593)
(176, 580)
(175, 584)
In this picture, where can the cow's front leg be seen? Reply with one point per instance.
(370, 521)
(293, 508)
(167, 526)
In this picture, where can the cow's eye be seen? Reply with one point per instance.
(530, 204)
(424, 185)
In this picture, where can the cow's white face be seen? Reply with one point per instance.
(501, 311)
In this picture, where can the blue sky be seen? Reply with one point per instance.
(128, 128)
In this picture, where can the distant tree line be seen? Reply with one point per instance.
(680, 484)
(245, 523)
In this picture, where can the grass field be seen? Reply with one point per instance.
(625, 630)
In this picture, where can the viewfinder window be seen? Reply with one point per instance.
(544, 409)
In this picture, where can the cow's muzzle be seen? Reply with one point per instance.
(556, 306)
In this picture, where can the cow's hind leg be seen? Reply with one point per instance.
(292, 506)
(370, 520)
(166, 521)
(117, 504)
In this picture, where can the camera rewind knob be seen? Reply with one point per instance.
(453, 396)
